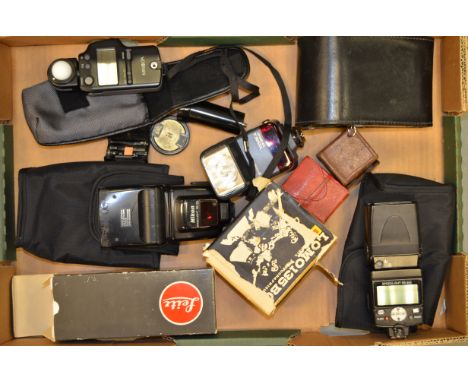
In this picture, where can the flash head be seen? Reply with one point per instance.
(227, 166)
(392, 235)
(157, 215)
(225, 175)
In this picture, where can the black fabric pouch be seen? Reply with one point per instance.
(58, 211)
(57, 118)
(364, 81)
(436, 210)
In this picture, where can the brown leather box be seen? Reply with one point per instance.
(315, 189)
(348, 156)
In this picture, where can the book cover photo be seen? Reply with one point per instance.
(269, 247)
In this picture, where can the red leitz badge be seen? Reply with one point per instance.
(181, 303)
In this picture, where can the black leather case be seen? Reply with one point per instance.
(364, 81)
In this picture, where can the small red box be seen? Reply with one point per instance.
(315, 189)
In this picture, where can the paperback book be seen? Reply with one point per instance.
(269, 247)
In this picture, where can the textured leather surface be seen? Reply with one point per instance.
(315, 189)
(365, 81)
(348, 157)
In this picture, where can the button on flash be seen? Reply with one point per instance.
(89, 81)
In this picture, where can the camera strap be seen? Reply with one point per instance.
(192, 60)
(57, 118)
(235, 83)
(287, 126)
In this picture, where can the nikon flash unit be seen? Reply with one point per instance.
(397, 300)
(156, 215)
(393, 248)
(110, 67)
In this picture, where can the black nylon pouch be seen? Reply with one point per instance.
(57, 118)
(436, 210)
(58, 211)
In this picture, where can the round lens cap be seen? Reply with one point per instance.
(170, 136)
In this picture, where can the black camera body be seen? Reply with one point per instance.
(109, 67)
(393, 248)
(397, 300)
(226, 163)
(155, 215)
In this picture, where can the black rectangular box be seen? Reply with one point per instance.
(115, 305)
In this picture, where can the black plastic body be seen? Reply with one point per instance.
(187, 213)
(110, 67)
(389, 316)
(264, 142)
(213, 115)
(393, 248)
(155, 215)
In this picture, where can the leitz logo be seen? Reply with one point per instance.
(181, 303)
